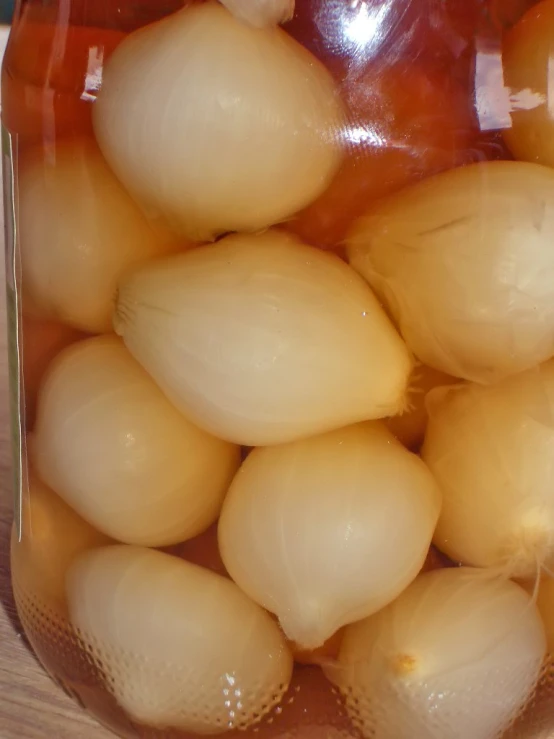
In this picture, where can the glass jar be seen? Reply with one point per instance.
(281, 306)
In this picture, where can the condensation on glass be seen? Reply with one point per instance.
(281, 304)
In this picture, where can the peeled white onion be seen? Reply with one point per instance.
(456, 656)
(261, 13)
(52, 537)
(109, 442)
(464, 261)
(78, 231)
(261, 339)
(328, 530)
(179, 646)
(237, 127)
(490, 449)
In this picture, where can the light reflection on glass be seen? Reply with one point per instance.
(550, 86)
(492, 97)
(363, 27)
(368, 137)
(93, 79)
(363, 135)
(495, 102)
(230, 680)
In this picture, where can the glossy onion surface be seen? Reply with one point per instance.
(490, 450)
(328, 530)
(245, 134)
(79, 230)
(262, 339)
(464, 261)
(456, 656)
(179, 646)
(109, 442)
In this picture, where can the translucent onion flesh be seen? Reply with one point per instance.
(328, 530)
(179, 646)
(237, 127)
(109, 442)
(262, 340)
(490, 450)
(457, 655)
(464, 262)
(78, 231)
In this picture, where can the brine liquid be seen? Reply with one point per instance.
(52, 73)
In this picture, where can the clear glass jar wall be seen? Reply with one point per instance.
(281, 301)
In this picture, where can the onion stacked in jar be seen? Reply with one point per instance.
(276, 380)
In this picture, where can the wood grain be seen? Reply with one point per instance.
(31, 705)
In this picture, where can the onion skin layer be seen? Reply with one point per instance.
(262, 340)
(490, 449)
(464, 262)
(161, 479)
(78, 232)
(237, 127)
(180, 646)
(457, 655)
(328, 530)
